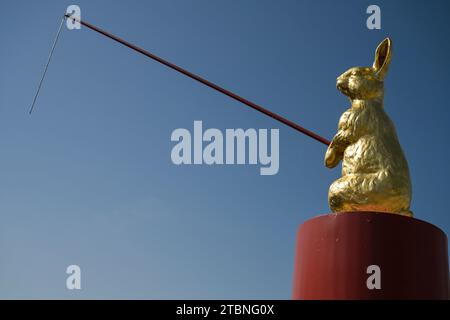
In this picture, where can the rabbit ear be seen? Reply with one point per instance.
(383, 56)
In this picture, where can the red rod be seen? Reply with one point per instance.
(205, 82)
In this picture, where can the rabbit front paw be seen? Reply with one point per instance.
(331, 158)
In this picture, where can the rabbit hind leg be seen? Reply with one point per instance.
(366, 192)
(347, 193)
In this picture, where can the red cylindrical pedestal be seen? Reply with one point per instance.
(334, 252)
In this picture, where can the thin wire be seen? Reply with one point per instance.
(48, 62)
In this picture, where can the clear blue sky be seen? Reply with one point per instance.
(88, 179)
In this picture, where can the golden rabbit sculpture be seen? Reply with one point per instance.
(375, 174)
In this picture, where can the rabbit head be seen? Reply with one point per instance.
(367, 82)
